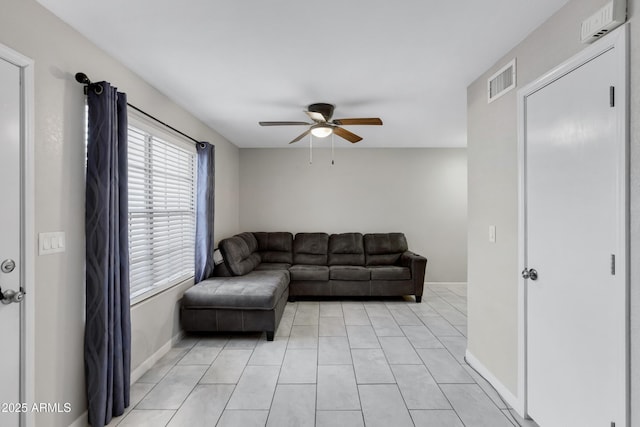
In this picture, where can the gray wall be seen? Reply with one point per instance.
(421, 192)
(493, 197)
(59, 52)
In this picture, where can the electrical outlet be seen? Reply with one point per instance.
(492, 234)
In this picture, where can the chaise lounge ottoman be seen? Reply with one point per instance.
(252, 302)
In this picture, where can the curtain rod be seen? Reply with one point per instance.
(83, 79)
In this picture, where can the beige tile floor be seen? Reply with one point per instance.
(372, 363)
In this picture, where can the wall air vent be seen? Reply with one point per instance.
(612, 15)
(502, 81)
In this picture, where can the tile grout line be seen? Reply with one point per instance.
(153, 388)
(353, 366)
(473, 379)
(286, 348)
(430, 373)
(315, 403)
(439, 297)
(446, 302)
(235, 386)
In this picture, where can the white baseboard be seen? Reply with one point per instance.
(177, 337)
(444, 283)
(148, 364)
(503, 391)
(81, 421)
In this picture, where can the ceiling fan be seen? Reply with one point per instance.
(322, 125)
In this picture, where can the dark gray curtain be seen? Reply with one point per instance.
(204, 211)
(107, 341)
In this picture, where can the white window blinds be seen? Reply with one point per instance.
(161, 212)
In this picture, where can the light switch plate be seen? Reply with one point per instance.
(50, 243)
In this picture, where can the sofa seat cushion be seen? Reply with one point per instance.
(273, 266)
(348, 272)
(258, 290)
(309, 272)
(239, 254)
(390, 272)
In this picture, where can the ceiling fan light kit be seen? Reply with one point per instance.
(321, 130)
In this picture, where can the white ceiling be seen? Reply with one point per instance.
(233, 63)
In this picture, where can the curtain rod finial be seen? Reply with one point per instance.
(82, 78)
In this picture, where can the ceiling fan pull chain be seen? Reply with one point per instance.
(310, 149)
(332, 161)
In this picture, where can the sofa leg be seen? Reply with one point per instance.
(418, 298)
(270, 335)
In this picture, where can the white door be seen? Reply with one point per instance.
(576, 308)
(10, 250)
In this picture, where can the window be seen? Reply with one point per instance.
(162, 176)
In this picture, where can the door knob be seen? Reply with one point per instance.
(10, 296)
(530, 274)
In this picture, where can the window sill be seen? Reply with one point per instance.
(160, 289)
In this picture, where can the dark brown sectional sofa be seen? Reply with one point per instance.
(262, 270)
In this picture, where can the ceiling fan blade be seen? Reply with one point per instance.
(362, 121)
(302, 135)
(316, 117)
(349, 136)
(283, 123)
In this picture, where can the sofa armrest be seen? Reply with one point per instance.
(418, 265)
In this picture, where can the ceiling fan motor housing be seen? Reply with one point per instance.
(325, 109)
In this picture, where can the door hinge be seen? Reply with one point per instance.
(612, 96)
(613, 264)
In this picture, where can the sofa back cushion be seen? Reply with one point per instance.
(346, 249)
(275, 247)
(384, 248)
(250, 240)
(239, 253)
(310, 248)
